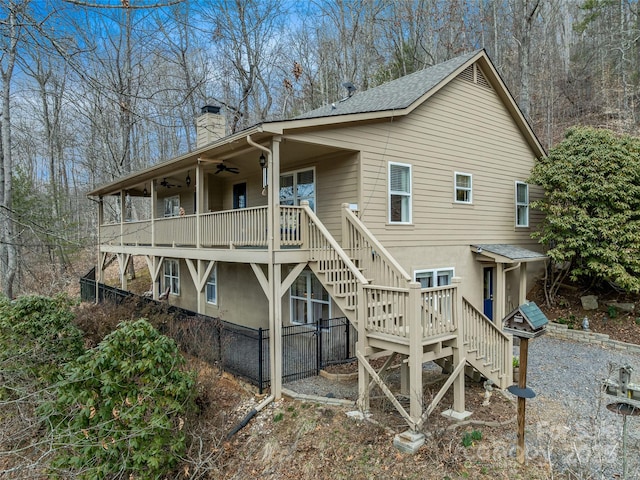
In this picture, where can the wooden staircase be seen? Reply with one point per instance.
(369, 286)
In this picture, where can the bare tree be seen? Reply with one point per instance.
(10, 31)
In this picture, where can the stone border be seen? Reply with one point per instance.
(340, 377)
(318, 399)
(563, 331)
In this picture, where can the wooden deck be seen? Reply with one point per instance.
(391, 312)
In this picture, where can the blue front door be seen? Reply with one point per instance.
(488, 292)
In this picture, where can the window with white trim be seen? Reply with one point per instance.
(298, 186)
(310, 302)
(463, 187)
(399, 193)
(522, 204)
(172, 276)
(438, 277)
(172, 206)
(212, 286)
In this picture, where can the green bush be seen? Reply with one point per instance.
(37, 336)
(120, 410)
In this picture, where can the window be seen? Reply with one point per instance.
(298, 186)
(240, 195)
(462, 187)
(434, 278)
(399, 193)
(172, 276)
(522, 204)
(212, 286)
(172, 206)
(310, 302)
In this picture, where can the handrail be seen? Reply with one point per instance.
(386, 262)
(487, 340)
(482, 315)
(333, 243)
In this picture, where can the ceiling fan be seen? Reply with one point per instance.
(221, 167)
(166, 184)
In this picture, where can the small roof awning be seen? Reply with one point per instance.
(503, 253)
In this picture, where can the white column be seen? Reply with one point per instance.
(500, 295)
(522, 295)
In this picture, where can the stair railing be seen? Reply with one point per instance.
(371, 257)
(338, 268)
(481, 336)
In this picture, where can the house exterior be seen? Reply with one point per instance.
(403, 208)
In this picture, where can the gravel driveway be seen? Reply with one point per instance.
(568, 425)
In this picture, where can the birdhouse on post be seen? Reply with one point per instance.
(526, 321)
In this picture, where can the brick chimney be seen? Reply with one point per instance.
(210, 126)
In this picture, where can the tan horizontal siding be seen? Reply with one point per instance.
(462, 128)
(336, 183)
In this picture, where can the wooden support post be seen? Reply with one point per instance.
(522, 383)
(500, 295)
(522, 294)
(404, 378)
(200, 207)
(154, 212)
(458, 351)
(276, 378)
(362, 348)
(344, 241)
(415, 352)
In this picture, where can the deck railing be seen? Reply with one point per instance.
(242, 227)
(388, 310)
(371, 257)
(438, 316)
(246, 227)
(176, 230)
(482, 338)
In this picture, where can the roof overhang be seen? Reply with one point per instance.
(215, 151)
(505, 253)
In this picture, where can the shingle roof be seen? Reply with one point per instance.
(532, 312)
(512, 252)
(394, 95)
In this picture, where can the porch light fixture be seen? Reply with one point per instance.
(144, 192)
(188, 179)
(263, 165)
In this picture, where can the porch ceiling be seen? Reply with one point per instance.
(237, 153)
(505, 253)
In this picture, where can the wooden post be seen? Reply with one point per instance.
(522, 383)
(363, 348)
(458, 352)
(415, 351)
(154, 212)
(499, 295)
(522, 294)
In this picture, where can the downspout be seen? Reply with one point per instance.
(516, 266)
(252, 413)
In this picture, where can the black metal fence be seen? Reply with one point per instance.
(240, 350)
